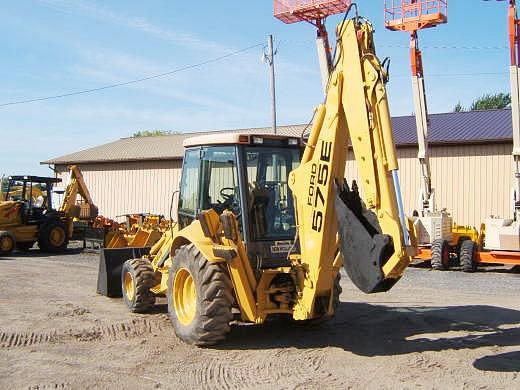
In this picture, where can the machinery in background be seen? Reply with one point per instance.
(315, 13)
(499, 239)
(437, 236)
(139, 230)
(27, 214)
(263, 228)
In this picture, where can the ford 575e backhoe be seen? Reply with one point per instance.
(263, 228)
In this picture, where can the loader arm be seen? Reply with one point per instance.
(370, 228)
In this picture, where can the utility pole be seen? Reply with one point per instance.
(269, 57)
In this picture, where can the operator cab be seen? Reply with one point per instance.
(248, 175)
(34, 193)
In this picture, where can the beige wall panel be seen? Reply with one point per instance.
(131, 187)
(470, 181)
(473, 182)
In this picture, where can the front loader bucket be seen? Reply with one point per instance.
(110, 263)
(364, 248)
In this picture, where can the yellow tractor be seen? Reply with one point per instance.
(264, 226)
(27, 214)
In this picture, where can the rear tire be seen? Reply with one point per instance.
(459, 244)
(440, 255)
(53, 236)
(468, 250)
(137, 278)
(7, 243)
(200, 296)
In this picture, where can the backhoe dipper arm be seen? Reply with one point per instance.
(76, 186)
(371, 231)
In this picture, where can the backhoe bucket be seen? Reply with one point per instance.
(364, 248)
(110, 263)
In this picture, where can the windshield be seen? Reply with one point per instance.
(270, 200)
(35, 193)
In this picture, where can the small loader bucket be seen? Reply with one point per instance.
(110, 264)
(364, 248)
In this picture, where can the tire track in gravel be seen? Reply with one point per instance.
(50, 386)
(111, 332)
(262, 369)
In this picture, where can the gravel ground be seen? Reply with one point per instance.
(432, 330)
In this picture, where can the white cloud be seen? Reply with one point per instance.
(137, 23)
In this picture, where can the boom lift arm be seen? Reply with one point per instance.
(427, 194)
(514, 44)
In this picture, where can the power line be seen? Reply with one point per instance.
(135, 81)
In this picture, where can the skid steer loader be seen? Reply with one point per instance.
(264, 226)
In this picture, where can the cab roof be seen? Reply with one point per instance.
(35, 179)
(241, 139)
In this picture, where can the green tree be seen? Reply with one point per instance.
(459, 108)
(152, 133)
(491, 101)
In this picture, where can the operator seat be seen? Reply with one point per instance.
(262, 209)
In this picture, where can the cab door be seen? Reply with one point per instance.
(187, 207)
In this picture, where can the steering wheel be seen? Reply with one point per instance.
(224, 193)
(229, 200)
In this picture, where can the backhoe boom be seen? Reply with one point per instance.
(369, 229)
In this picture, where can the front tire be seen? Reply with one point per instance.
(200, 296)
(53, 236)
(7, 243)
(440, 254)
(137, 278)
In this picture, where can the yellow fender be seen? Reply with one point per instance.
(193, 234)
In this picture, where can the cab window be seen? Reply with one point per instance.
(220, 179)
(188, 196)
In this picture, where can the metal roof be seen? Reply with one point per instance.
(447, 128)
(458, 127)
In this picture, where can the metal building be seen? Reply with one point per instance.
(470, 160)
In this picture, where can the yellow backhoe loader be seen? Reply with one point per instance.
(263, 228)
(27, 214)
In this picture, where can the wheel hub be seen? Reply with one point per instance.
(6, 244)
(129, 286)
(57, 236)
(184, 296)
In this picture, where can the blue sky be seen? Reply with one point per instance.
(58, 46)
